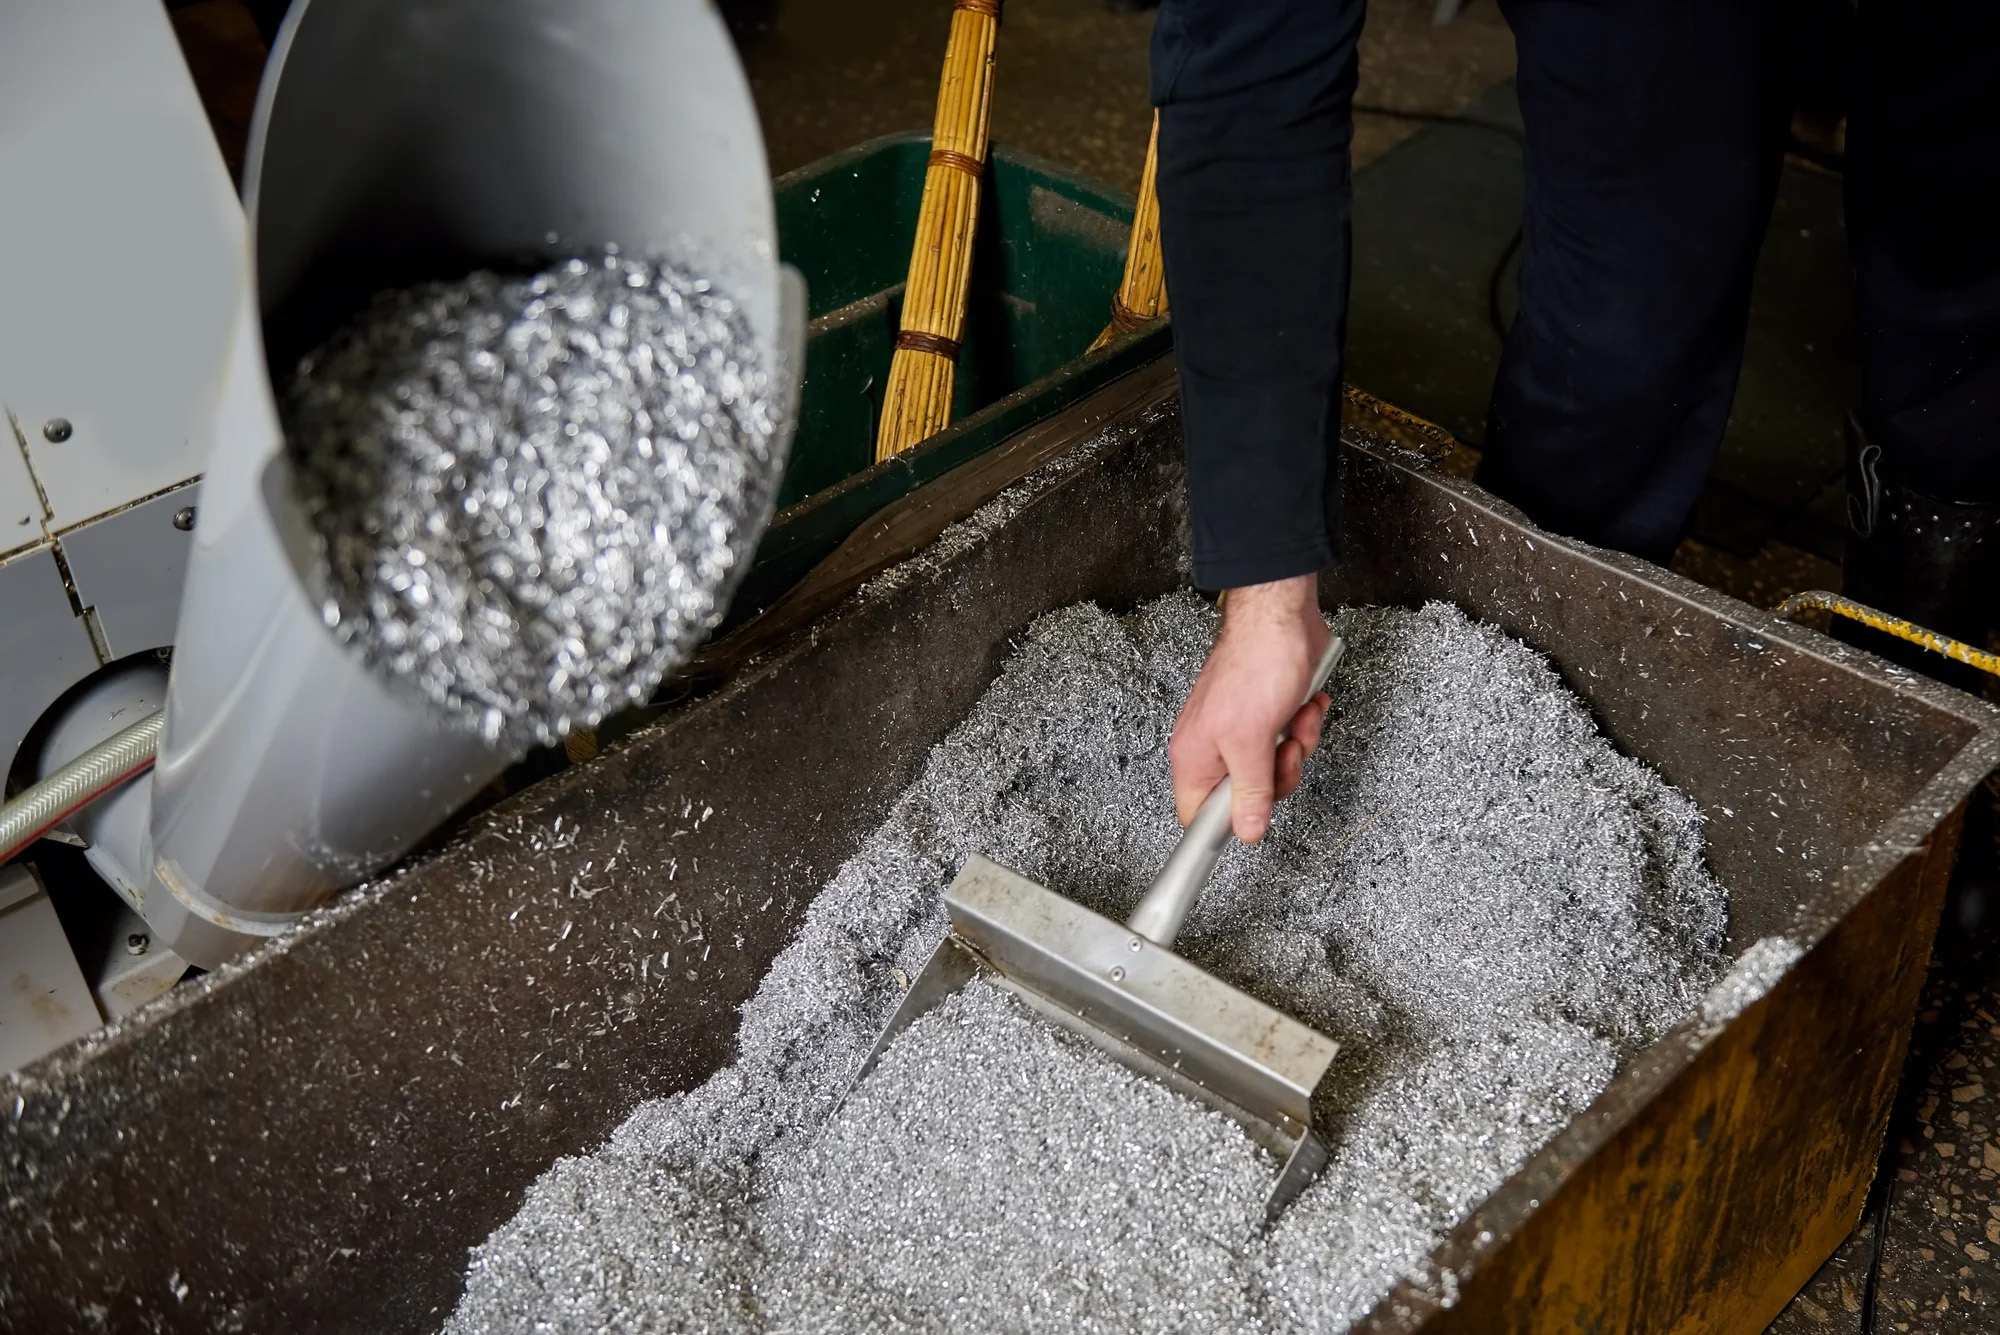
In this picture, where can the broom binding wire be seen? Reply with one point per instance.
(936, 345)
(944, 157)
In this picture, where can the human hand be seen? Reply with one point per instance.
(1247, 695)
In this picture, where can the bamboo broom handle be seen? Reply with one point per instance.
(917, 402)
(1142, 296)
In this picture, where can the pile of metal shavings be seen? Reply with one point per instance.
(535, 494)
(1484, 902)
(1749, 980)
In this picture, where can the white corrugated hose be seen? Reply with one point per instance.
(42, 806)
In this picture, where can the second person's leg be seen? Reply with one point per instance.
(1654, 137)
(1923, 212)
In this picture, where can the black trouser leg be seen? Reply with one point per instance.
(1923, 219)
(1923, 213)
(1654, 136)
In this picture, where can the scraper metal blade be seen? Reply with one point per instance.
(1121, 987)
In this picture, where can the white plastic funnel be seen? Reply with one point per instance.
(397, 141)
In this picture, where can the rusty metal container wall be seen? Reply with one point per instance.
(312, 1140)
(1710, 1180)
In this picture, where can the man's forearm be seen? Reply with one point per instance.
(1281, 600)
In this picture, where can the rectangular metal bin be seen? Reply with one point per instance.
(310, 1142)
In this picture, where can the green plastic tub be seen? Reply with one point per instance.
(1050, 250)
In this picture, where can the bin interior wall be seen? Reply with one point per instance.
(1797, 749)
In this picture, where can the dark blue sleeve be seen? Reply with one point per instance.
(1256, 115)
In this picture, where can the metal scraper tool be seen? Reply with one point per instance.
(1123, 988)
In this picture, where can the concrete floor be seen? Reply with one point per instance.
(1435, 205)
(1070, 81)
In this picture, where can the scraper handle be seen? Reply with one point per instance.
(1173, 893)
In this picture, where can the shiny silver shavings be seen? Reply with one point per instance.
(535, 494)
(1754, 974)
(1487, 904)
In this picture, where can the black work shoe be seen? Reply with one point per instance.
(1916, 557)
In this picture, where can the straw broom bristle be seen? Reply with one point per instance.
(1142, 296)
(917, 402)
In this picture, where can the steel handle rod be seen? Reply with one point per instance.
(1174, 892)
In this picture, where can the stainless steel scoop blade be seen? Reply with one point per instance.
(1123, 988)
